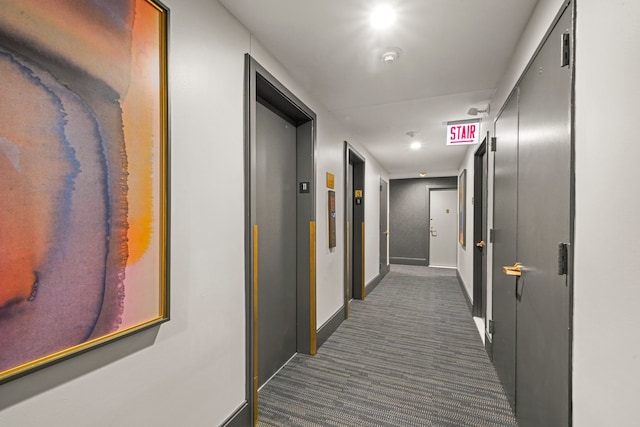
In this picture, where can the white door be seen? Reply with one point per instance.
(443, 227)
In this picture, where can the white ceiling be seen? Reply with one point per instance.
(454, 54)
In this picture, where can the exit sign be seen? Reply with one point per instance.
(463, 133)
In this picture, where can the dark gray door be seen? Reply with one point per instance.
(276, 219)
(504, 245)
(384, 230)
(544, 203)
(480, 232)
(359, 194)
(532, 220)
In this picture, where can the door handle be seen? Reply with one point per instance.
(513, 270)
(480, 244)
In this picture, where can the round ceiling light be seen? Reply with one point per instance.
(390, 54)
(422, 174)
(416, 145)
(382, 17)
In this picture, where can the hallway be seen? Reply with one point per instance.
(410, 355)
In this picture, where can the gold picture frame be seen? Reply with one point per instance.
(84, 176)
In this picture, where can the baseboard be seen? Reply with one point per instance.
(329, 327)
(408, 261)
(488, 346)
(463, 288)
(374, 282)
(241, 418)
(385, 269)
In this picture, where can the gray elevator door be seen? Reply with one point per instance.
(276, 219)
(504, 246)
(544, 212)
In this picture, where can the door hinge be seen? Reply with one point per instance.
(491, 235)
(492, 326)
(565, 61)
(494, 143)
(563, 258)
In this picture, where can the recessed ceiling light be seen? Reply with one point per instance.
(416, 145)
(383, 16)
(422, 174)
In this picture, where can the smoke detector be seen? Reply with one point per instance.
(390, 54)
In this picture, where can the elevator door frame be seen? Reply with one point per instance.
(354, 221)
(261, 86)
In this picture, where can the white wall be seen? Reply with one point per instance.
(465, 255)
(373, 173)
(193, 371)
(606, 364)
(330, 264)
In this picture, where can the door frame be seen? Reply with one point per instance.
(354, 253)
(429, 189)
(384, 235)
(480, 187)
(262, 86)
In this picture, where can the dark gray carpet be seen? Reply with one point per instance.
(410, 355)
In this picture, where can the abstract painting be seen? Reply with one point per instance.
(83, 179)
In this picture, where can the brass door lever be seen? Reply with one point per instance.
(480, 244)
(514, 270)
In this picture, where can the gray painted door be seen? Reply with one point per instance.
(480, 232)
(532, 217)
(276, 219)
(349, 249)
(384, 230)
(544, 206)
(504, 246)
(443, 227)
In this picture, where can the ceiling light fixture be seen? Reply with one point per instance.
(382, 17)
(422, 174)
(390, 54)
(473, 111)
(415, 145)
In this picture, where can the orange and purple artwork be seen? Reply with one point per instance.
(82, 175)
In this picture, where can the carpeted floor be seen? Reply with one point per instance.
(410, 355)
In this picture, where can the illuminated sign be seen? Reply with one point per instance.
(463, 133)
